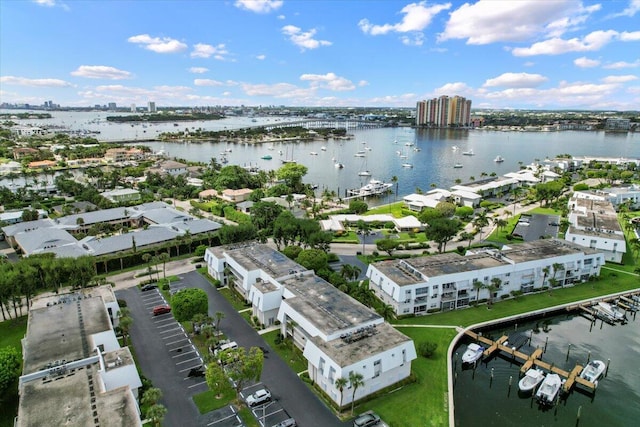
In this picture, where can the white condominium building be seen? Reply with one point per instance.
(594, 224)
(449, 281)
(337, 334)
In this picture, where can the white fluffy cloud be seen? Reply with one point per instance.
(490, 21)
(24, 81)
(417, 16)
(622, 64)
(619, 79)
(261, 57)
(630, 11)
(259, 6)
(516, 80)
(584, 62)
(633, 36)
(198, 70)
(101, 72)
(591, 42)
(158, 44)
(279, 90)
(303, 39)
(202, 50)
(328, 81)
(48, 3)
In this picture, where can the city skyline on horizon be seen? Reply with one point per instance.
(526, 55)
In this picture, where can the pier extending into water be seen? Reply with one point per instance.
(532, 359)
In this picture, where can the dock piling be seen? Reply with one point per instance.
(588, 357)
(546, 341)
(568, 351)
(606, 371)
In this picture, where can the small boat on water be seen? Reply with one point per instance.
(455, 148)
(266, 157)
(468, 153)
(611, 311)
(359, 155)
(549, 389)
(498, 159)
(364, 173)
(457, 165)
(593, 371)
(473, 353)
(531, 379)
(313, 153)
(338, 165)
(323, 148)
(407, 165)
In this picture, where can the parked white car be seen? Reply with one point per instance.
(259, 397)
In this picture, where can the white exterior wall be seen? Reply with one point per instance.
(514, 277)
(265, 305)
(613, 249)
(215, 266)
(107, 339)
(395, 365)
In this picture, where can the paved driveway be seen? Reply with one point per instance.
(288, 390)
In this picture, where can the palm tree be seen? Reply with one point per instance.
(480, 221)
(477, 285)
(394, 180)
(164, 256)
(124, 322)
(151, 396)
(387, 312)
(146, 258)
(357, 380)
(340, 384)
(557, 267)
(465, 235)
(219, 315)
(156, 413)
(546, 273)
(493, 287)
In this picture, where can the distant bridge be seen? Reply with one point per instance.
(323, 123)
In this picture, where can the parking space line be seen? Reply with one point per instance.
(188, 369)
(170, 330)
(177, 341)
(165, 314)
(151, 304)
(223, 419)
(196, 385)
(166, 326)
(150, 295)
(182, 346)
(176, 335)
(188, 360)
(183, 354)
(163, 320)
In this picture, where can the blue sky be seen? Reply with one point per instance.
(540, 54)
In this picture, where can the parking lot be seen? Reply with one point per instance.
(536, 226)
(167, 357)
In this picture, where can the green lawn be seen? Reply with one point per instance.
(235, 300)
(405, 237)
(544, 211)
(500, 236)
(423, 403)
(292, 356)
(394, 209)
(207, 400)
(11, 332)
(350, 237)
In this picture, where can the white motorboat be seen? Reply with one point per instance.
(593, 371)
(498, 159)
(313, 153)
(531, 379)
(407, 165)
(549, 389)
(455, 148)
(364, 173)
(473, 353)
(359, 155)
(611, 311)
(323, 148)
(468, 153)
(373, 188)
(338, 165)
(457, 165)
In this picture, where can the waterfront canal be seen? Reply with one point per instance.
(481, 400)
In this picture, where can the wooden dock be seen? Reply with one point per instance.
(529, 360)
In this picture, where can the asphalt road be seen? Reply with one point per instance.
(287, 389)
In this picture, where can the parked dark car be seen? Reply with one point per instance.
(197, 372)
(289, 422)
(149, 286)
(161, 309)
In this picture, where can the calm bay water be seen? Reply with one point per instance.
(616, 402)
(432, 164)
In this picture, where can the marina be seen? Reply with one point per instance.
(565, 344)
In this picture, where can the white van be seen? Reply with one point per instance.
(227, 346)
